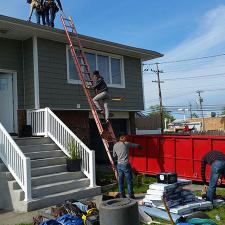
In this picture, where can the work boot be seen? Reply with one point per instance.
(120, 195)
(132, 197)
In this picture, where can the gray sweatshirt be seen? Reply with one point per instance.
(121, 150)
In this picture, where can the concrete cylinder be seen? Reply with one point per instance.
(119, 211)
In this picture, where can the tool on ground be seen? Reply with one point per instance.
(167, 210)
(86, 79)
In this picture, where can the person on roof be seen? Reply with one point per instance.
(51, 9)
(216, 160)
(102, 96)
(37, 5)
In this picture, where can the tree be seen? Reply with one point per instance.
(155, 111)
(194, 115)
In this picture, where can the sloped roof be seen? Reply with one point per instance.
(13, 28)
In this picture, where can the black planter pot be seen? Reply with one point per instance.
(73, 165)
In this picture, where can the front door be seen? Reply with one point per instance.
(6, 102)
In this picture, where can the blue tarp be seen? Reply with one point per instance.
(66, 219)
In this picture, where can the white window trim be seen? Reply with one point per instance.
(73, 81)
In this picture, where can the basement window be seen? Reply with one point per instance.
(110, 67)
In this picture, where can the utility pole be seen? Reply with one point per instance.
(190, 109)
(157, 72)
(200, 102)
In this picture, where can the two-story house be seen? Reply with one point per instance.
(36, 71)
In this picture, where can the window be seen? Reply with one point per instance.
(109, 66)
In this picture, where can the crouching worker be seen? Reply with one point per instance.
(216, 160)
(37, 5)
(102, 97)
(121, 150)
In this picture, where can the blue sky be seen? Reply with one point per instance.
(178, 29)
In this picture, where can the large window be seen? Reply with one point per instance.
(109, 66)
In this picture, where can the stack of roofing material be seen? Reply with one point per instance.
(180, 201)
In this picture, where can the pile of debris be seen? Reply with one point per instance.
(179, 200)
(168, 199)
(72, 212)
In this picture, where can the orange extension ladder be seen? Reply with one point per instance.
(86, 78)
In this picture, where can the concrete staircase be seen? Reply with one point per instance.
(51, 183)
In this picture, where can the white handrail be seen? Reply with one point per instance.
(17, 163)
(45, 122)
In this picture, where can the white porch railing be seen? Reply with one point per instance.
(16, 162)
(45, 122)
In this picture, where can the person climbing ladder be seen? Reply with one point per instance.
(102, 97)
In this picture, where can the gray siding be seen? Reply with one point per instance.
(28, 74)
(11, 59)
(55, 91)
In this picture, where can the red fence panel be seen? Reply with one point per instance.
(173, 153)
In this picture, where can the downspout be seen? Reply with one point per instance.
(36, 74)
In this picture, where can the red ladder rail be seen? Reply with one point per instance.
(83, 69)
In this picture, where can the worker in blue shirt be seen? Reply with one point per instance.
(51, 9)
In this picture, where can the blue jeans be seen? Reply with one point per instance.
(46, 14)
(52, 13)
(38, 18)
(217, 169)
(125, 170)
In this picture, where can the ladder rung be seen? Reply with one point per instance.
(83, 65)
(67, 19)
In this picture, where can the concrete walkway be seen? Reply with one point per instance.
(12, 218)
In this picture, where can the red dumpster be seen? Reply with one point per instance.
(173, 153)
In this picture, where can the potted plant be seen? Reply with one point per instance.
(74, 161)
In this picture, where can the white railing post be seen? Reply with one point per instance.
(46, 122)
(92, 169)
(27, 180)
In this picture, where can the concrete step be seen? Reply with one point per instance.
(60, 198)
(39, 148)
(51, 178)
(59, 187)
(58, 177)
(36, 172)
(35, 163)
(45, 154)
(33, 141)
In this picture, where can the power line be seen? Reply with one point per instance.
(186, 60)
(195, 77)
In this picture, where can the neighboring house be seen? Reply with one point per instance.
(211, 123)
(36, 71)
